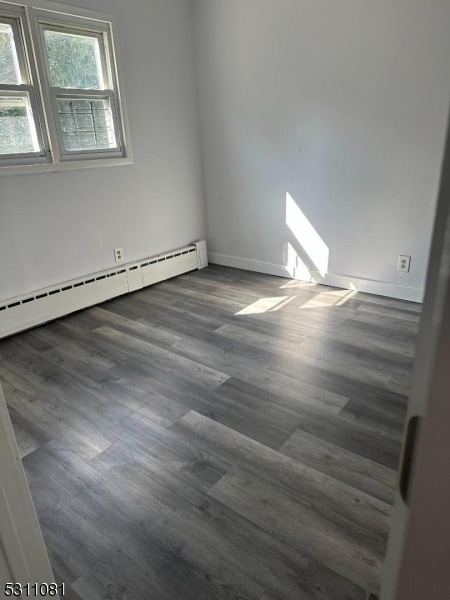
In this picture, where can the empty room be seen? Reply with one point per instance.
(224, 299)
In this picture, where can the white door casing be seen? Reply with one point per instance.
(430, 480)
(23, 556)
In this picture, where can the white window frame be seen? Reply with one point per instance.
(53, 157)
(11, 15)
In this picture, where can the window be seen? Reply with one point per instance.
(20, 137)
(59, 97)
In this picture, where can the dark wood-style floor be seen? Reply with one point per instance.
(223, 435)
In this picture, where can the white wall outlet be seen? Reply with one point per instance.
(404, 264)
(118, 254)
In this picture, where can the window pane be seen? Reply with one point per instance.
(74, 60)
(9, 65)
(87, 123)
(17, 129)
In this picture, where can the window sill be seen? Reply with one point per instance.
(71, 165)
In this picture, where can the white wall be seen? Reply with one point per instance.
(55, 226)
(343, 105)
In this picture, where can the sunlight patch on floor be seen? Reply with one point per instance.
(329, 299)
(264, 305)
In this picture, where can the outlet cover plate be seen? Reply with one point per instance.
(404, 263)
(118, 254)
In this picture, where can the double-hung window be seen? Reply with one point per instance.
(21, 137)
(59, 89)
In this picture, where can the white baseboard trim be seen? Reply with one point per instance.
(369, 286)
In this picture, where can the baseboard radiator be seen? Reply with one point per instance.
(35, 308)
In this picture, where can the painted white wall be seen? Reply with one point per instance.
(340, 103)
(56, 226)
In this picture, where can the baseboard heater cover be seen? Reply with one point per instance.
(35, 308)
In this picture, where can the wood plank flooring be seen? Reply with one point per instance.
(222, 435)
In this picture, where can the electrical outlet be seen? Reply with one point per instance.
(404, 264)
(118, 254)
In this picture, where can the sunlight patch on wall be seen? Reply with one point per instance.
(294, 264)
(264, 305)
(308, 238)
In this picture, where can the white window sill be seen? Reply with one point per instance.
(71, 165)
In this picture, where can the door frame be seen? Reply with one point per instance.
(23, 556)
(418, 555)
